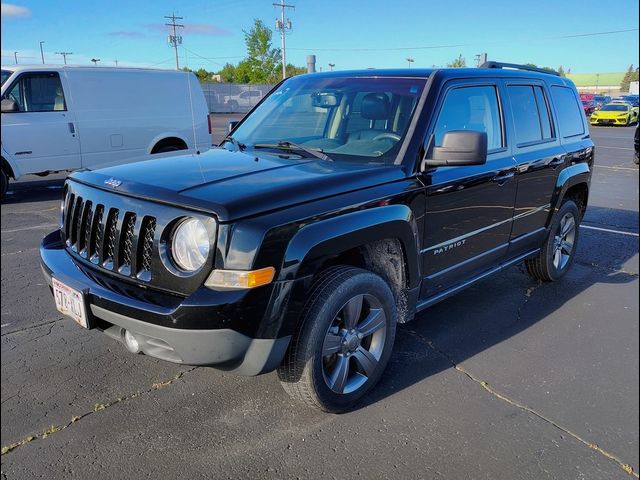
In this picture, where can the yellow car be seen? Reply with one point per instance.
(615, 114)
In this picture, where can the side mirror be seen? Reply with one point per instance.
(232, 125)
(9, 105)
(459, 147)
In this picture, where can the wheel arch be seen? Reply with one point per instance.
(573, 182)
(167, 140)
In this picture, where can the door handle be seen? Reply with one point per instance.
(501, 178)
(556, 162)
(72, 128)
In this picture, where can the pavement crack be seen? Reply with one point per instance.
(97, 408)
(626, 467)
(33, 326)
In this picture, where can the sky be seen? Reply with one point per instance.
(348, 33)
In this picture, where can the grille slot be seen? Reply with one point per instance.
(95, 240)
(111, 236)
(73, 228)
(145, 247)
(85, 229)
(126, 243)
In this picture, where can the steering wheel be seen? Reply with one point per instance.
(392, 136)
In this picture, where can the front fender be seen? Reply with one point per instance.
(330, 237)
(11, 163)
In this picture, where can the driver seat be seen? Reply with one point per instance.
(375, 106)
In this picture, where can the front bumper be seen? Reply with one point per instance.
(609, 121)
(154, 326)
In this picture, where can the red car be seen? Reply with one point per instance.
(589, 106)
(587, 96)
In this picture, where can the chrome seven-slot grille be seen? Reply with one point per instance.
(109, 237)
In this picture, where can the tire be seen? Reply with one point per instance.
(328, 366)
(558, 252)
(636, 160)
(168, 148)
(5, 183)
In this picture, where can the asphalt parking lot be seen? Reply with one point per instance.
(510, 379)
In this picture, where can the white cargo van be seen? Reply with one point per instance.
(57, 118)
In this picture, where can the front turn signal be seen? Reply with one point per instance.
(240, 279)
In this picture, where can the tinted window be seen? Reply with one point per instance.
(526, 116)
(614, 108)
(5, 74)
(39, 93)
(471, 108)
(568, 111)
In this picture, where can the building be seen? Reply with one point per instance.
(605, 83)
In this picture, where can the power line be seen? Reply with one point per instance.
(64, 55)
(430, 47)
(282, 27)
(175, 39)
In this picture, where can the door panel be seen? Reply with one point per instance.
(42, 136)
(469, 209)
(468, 220)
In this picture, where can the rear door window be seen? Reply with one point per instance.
(569, 112)
(532, 121)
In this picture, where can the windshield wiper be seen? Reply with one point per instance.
(286, 144)
(236, 143)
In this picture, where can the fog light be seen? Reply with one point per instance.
(131, 342)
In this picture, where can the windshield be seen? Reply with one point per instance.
(614, 108)
(348, 118)
(5, 74)
(600, 99)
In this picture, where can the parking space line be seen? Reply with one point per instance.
(616, 168)
(609, 230)
(617, 148)
(34, 227)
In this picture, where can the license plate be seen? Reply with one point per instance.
(69, 301)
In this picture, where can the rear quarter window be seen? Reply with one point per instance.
(568, 111)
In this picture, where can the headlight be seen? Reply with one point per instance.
(190, 245)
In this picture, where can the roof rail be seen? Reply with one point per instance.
(518, 67)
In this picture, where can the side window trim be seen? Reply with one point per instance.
(457, 84)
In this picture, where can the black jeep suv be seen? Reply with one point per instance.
(340, 206)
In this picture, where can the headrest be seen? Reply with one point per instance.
(375, 106)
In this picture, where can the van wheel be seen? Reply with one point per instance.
(343, 342)
(168, 148)
(559, 249)
(5, 183)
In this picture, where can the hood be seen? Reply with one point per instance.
(238, 184)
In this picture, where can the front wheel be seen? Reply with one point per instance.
(344, 340)
(558, 252)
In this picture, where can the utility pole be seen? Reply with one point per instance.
(410, 61)
(15, 56)
(480, 58)
(282, 27)
(175, 39)
(64, 55)
(95, 61)
(42, 52)
(116, 61)
(331, 65)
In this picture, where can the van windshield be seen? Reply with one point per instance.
(5, 75)
(360, 119)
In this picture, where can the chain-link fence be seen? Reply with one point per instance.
(233, 97)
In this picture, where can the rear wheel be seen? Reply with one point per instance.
(344, 340)
(558, 252)
(167, 148)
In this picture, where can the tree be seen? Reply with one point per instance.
(631, 75)
(561, 71)
(261, 57)
(459, 62)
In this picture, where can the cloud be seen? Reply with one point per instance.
(11, 10)
(127, 34)
(207, 29)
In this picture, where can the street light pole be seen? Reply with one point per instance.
(95, 61)
(331, 65)
(410, 61)
(42, 52)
